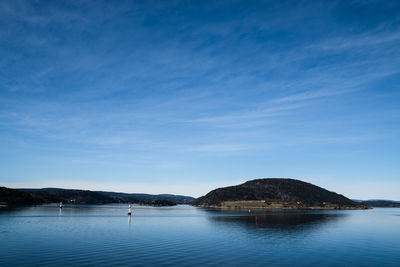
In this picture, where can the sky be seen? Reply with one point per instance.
(185, 96)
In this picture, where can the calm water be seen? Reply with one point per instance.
(184, 235)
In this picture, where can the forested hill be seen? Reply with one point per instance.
(274, 189)
(13, 197)
(74, 196)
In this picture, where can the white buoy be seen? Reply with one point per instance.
(60, 205)
(130, 209)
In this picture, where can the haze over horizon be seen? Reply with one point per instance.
(182, 97)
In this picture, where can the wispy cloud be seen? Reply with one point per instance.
(246, 115)
(364, 41)
(222, 148)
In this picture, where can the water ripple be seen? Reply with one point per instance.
(183, 236)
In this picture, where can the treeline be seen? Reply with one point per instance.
(14, 197)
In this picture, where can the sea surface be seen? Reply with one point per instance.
(104, 235)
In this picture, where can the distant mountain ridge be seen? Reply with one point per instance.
(381, 203)
(142, 197)
(28, 196)
(377, 199)
(283, 190)
(13, 197)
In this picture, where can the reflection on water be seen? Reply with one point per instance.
(281, 220)
(277, 225)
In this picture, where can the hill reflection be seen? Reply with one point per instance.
(277, 221)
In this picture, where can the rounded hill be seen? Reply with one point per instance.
(274, 189)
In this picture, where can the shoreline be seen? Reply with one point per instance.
(279, 209)
(263, 205)
(286, 208)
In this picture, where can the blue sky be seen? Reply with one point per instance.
(185, 96)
